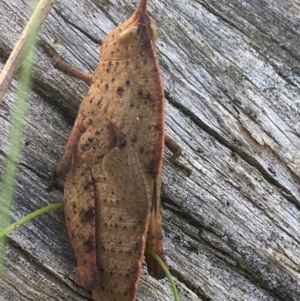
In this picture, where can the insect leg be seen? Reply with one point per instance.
(176, 149)
(64, 164)
(65, 67)
(154, 235)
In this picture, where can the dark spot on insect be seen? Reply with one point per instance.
(127, 83)
(138, 246)
(141, 149)
(152, 168)
(97, 133)
(109, 63)
(87, 185)
(107, 70)
(106, 86)
(90, 244)
(113, 79)
(140, 92)
(148, 96)
(120, 91)
(99, 101)
(88, 215)
(85, 146)
(121, 142)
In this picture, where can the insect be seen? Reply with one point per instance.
(114, 161)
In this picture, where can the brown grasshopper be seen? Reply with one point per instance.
(114, 157)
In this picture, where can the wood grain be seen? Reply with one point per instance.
(232, 75)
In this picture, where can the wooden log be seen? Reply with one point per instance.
(232, 82)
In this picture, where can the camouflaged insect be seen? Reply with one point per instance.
(115, 154)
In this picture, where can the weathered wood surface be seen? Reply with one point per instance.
(232, 78)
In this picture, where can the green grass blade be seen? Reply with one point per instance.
(28, 217)
(17, 129)
(38, 212)
(167, 272)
